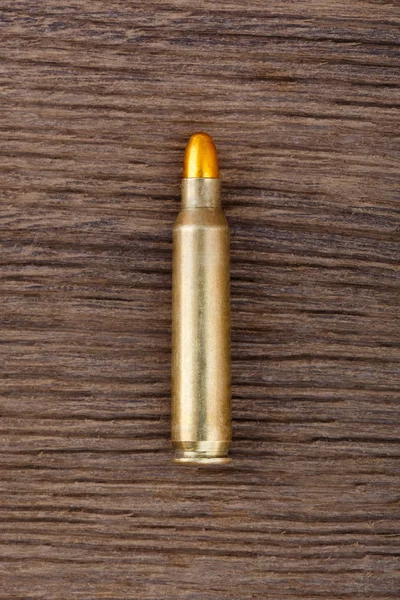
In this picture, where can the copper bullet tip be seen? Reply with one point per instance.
(201, 158)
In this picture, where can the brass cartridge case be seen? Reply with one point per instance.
(201, 364)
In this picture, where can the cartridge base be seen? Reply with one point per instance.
(202, 462)
(201, 453)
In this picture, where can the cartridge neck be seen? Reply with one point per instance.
(201, 193)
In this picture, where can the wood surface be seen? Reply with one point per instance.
(97, 101)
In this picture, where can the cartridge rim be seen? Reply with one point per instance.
(201, 461)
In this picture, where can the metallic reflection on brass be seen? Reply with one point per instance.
(201, 372)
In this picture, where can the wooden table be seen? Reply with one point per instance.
(98, 99)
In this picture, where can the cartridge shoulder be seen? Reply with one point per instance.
(202, 218)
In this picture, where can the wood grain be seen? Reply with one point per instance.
(97, 101)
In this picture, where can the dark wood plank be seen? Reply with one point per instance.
(97, 102)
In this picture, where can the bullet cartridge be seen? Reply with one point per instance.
(201, 363)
